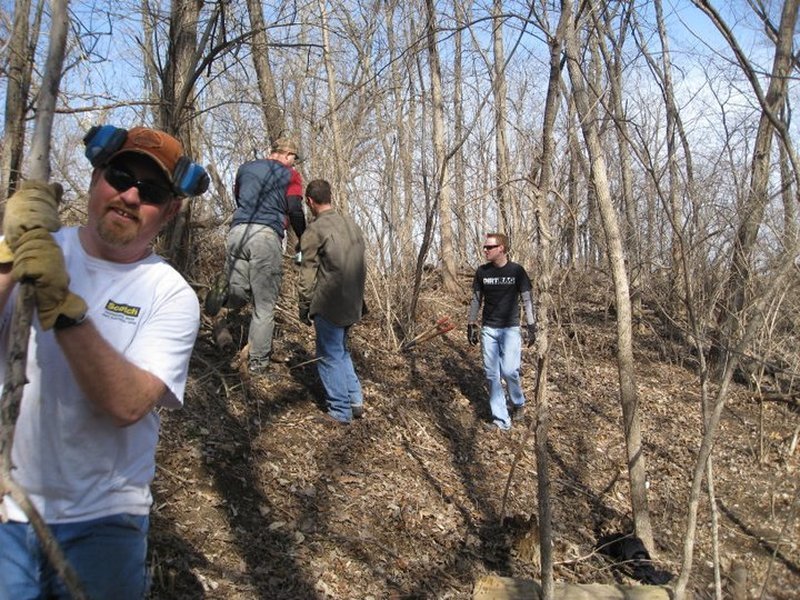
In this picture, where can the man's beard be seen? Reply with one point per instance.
(116, 235)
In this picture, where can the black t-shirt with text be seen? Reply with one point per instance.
(500, 288)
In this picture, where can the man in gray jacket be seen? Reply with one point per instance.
(331, 290)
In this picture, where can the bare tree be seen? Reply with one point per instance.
(752, 212)
(274, 120)
(459, 185)
(625, 363)
(499, 92)
(402, 113)
(21, 46)
(187, 56)
(441, 182)
(614, 61)
(736, 332)
(333, 102)
(542, 195)
(25, 304)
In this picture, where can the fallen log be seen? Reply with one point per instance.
(511, 588)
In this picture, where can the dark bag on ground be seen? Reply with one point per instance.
(632, 558)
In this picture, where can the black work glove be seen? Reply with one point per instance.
(472, 333)
(530, 334)
(303, 315)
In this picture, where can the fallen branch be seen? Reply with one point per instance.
(305, 362)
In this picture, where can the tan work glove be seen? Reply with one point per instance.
(38, 258)
(33, 205)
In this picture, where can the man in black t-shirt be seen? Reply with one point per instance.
(499, 284)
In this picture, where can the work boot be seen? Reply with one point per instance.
(222, 335)
(518, 413)
(279, 357)
(358, 410)
(328, 421)
(262, 371)
(494, 428)
(217, 296)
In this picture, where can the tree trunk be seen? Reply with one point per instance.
(332, 113)
(673, 193)
(21, 46)
(152, 83)
(463, 240)
(274, 120)
(758, 195)
(500, 118)
(608, 216)
(541, 189)
(790, 216)
(441, 183)
(615, 63)
(176, 109)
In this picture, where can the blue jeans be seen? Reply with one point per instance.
(255, 253)
(502, 353)
(335, 368)
(108, 555)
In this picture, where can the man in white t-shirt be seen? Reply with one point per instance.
(111, 342)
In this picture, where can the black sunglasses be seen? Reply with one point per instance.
(149, 192)
(490, 247)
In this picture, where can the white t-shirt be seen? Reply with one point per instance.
(72, 460)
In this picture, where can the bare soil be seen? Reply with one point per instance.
(255, 499)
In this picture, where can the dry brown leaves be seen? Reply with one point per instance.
(255, 500)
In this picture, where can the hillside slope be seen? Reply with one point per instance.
(253, 499)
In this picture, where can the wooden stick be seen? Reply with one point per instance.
(25, 303)
(305, 362)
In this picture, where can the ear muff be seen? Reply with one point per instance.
(102, 142)
(189, 179)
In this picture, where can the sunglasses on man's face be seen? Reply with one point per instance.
(491, 246)
(149, 192)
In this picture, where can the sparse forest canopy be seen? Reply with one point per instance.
(649, 147)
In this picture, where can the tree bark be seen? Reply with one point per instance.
(752, 213)
(441, 183)
(274, 119)
(332, 113)
(625, 363)
(542, 196)
(499, 91)
(463, 240)
(16, 370)
(21, 47)
(615, 62)
(711, 423)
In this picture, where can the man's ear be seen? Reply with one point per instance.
(173, 208)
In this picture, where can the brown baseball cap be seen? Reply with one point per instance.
(164, 149)
(286, 144)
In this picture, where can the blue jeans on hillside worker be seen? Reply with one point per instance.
(335, 368)
(255, 253)
(502, 353)
(108, 555)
